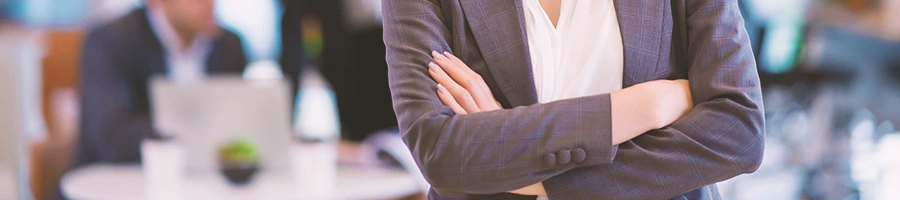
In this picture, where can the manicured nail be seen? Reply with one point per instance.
(441, 89)
(448, 54)
(434, 67)
(438, 56)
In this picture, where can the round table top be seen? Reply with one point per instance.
(115, 182)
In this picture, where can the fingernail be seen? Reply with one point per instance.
(434, 67)
(438, 56)
(441, 89)
(448, 54)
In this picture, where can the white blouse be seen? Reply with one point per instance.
(581, 56)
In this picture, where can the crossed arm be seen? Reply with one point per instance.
(496, 150)
(635, 110)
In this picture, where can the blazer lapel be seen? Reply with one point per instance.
(499, 30)
(641, 24)
(214, 65)
(153, 53)
(156, 61)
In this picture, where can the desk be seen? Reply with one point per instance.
(116, 182)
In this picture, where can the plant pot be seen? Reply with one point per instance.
(239, 174)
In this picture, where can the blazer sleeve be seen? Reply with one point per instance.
(721, 137)
(487, 152)
(112, 128)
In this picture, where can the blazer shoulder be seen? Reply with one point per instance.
(228, 53)
(123, 29)
(229, 38)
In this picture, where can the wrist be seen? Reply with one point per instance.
(631, 114)
(536, 189)
(654, 114)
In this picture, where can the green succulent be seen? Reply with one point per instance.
(241, 150)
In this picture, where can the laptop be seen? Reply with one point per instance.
(202, 115)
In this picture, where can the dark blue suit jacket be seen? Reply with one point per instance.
(118, 60)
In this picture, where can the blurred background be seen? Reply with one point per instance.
(830, 71)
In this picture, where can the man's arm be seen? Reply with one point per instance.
(487, 152)
(111, 127)
(721, 137)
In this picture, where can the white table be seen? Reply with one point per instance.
(116, 182)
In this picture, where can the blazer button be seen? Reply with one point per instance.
(564, 157)
(550, 160)
(578, 155)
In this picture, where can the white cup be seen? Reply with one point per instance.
(315, 168)
(164, 169)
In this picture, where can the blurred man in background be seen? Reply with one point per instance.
(176, 38)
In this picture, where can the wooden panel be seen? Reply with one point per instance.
(51, 158)
(60, 68)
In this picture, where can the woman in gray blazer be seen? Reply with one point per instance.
(463, 79)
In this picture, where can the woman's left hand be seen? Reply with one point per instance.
(460, 88)
(465, 92)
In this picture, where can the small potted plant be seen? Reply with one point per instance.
(239, 161)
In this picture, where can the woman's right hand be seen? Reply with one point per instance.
(668, 100)
(647, 106)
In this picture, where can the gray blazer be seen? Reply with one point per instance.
(566, 144)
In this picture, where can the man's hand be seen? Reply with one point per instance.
(465, 92)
